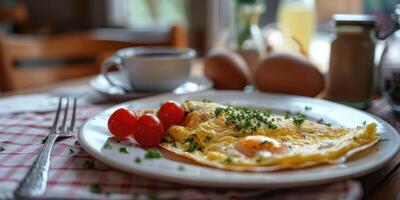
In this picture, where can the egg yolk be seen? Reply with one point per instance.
(251, 145)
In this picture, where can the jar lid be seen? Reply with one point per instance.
(355, 20)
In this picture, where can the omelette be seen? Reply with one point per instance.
(248, 139)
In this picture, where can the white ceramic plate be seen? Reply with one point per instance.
(102, 86)
(94, 134)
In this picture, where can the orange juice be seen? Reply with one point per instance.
(297, 18)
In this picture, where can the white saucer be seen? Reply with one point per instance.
(101, 85)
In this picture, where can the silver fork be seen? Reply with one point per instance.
(35, 181)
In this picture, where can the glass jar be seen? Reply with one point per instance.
(250, 43)
(296, 18)
(351, 67)
(390, 71)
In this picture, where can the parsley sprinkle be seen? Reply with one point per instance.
(88, 164)
(71, 151)
(193, 145)
(218, 111)
(228, 160)
(152, 196)
(96, 188)
(77, 142)
(44, 139)
(298, 119)
(123, 150)
(266, 142)
(364, 123)
(287, 115)
(107, 146)
(152, 154)
(320, 121)
(138, 160)
(2, 149)
(135, 195)
(307, 108)
(246, 120)
(328, 124)
(181, 168)
(206, 101)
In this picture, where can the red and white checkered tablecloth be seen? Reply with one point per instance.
(21, 140)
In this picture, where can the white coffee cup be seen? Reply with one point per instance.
(150, 69)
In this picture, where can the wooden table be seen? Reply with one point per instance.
(382, 184)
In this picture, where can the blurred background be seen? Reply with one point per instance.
(208, 22)
(41, 34)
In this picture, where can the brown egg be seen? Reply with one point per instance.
(227, 70)
(289, 74)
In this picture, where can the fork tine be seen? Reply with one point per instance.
(64, 122)
(72, 125)
(54, 127)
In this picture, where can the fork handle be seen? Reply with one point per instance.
(35, 181)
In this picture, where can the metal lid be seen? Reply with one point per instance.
(354, 20)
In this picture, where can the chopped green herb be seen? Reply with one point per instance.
(152, 196)
(88, 164)
(77, 142)
(152, 154)
(135, 195)
(266, 142)
(96, 188)
(246, 120)
(107, 146)
(207, 101)
(307, 108)
(328, 124)
(45, 139)
(364, 123)
(181, 168)
(193, 145)
(228, 160)
(71, 151)
(320, 121)
(218, 111)
(138, 160)
(299, 119)
(123, 150)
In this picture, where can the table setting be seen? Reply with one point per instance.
(75, 174)
(171, 124)
(92, 164)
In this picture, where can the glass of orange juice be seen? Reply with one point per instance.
(297, 19)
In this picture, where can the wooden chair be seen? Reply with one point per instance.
(17, 14)
(28, 61)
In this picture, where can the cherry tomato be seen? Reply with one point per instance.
(171, 113)
(122, 123)
(149, 131)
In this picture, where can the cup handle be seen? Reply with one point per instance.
(109, 62)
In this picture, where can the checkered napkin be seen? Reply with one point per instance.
(74, 174)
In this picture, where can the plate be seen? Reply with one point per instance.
(101, 85)
(94, 134)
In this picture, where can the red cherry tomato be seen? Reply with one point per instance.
(171, 113)
(149, 131)
(122, 123)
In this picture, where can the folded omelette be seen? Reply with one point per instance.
(248, 139)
